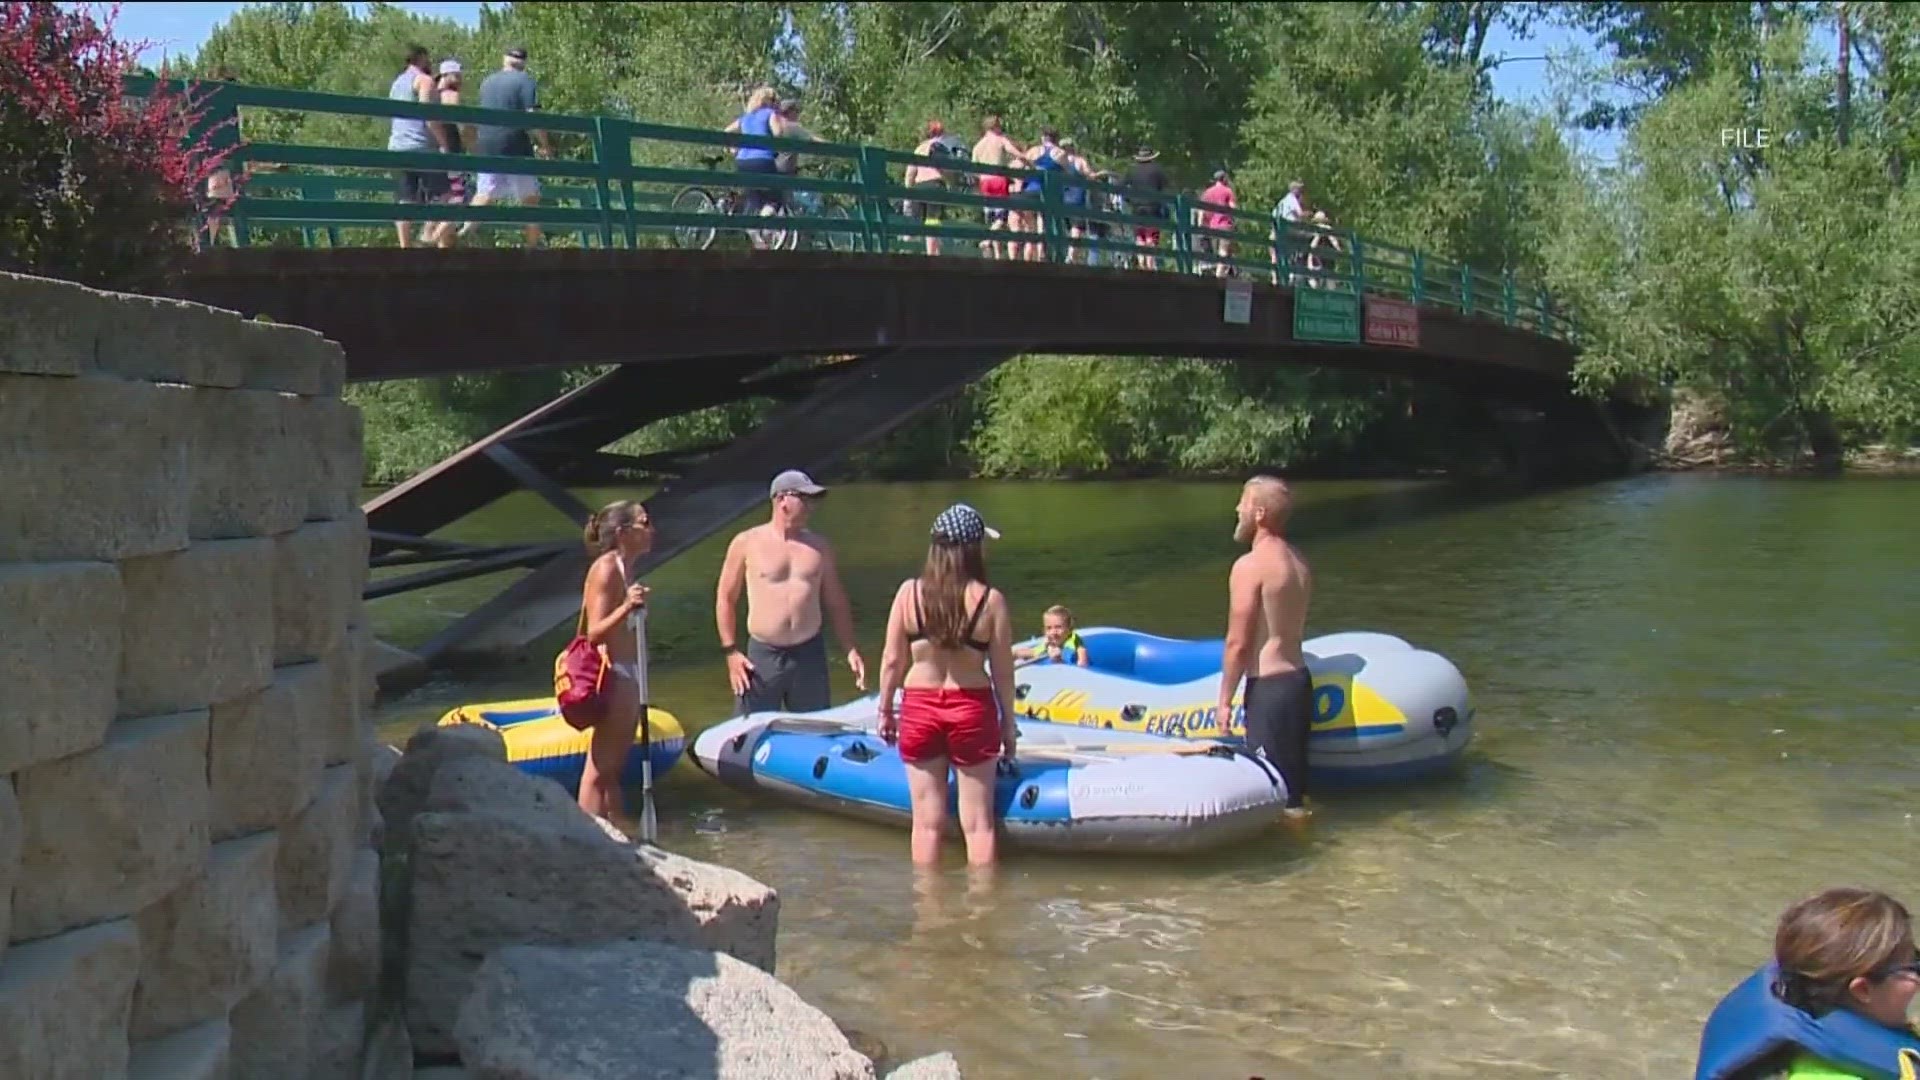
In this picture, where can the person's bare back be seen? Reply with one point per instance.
(1285, 585)
(994, 149)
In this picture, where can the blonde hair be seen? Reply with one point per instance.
(761, 98)
(1271, 494)
(1833, 937)
(606, 520)
(1062, 611)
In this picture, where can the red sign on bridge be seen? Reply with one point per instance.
(1393, 323)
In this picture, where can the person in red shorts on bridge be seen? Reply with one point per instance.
(950, 652)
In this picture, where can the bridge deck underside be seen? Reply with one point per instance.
(404, 314)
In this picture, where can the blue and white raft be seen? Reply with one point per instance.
(1384, 711)
(1752, 1032)
(1069, 788)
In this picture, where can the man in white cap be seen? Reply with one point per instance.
(791, 579)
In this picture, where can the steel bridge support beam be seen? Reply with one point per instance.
(855, 403)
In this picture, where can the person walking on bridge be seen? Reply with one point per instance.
(423, 187)
(791, 579)
(510, 89)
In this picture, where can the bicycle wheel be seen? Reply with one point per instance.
(693, 200)
(779, 239)
(836, 239)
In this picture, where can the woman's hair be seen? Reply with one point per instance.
(1062, 611)
(761, 98)
(943, 590)
(600, 527)
(1829, 939)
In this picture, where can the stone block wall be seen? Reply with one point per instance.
(187, 886)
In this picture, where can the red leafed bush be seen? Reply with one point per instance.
(95, 186)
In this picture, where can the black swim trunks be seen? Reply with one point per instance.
(792, 678)
(1279, 716)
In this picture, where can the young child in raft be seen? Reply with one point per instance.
(1062, 644)
(1846, 949)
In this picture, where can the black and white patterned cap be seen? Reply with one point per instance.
(962, 524)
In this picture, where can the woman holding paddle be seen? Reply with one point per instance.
(947, 630)
(615, 605)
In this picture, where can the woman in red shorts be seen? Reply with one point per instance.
(948, 628)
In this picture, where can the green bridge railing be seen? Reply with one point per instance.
(623, 183)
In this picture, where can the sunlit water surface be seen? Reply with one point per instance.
(1697, 699)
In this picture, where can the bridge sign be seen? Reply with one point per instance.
(1394, 323)
(1326, 315)
(1239, 303)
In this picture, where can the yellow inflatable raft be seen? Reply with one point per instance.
(541, 742)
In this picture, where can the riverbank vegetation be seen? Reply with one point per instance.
(1751, 246)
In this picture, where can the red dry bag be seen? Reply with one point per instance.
(580, 680)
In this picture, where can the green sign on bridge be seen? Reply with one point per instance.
(1326, 315)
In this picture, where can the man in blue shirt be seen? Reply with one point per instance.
(511, 89)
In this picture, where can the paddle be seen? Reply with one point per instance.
(649, 824)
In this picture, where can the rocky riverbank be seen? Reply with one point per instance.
(524, 940)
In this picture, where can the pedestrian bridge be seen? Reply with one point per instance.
(841, 307)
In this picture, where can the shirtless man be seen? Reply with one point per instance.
(994, 148)
(788, 571)
(1267, 596)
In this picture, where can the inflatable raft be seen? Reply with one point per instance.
(1069, 788)
(1384, 711)
(541, 742)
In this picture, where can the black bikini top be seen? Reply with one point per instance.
(920, 621)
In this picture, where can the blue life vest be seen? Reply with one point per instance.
(1752, 1028)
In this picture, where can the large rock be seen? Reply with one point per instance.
(11, 829)
(47, 326)
(109, 831)
(276, 1029)
(266, 751)
(540, 1014)
(318, 570)
(198, 1053)
(199, 626)
(337, 1042)
(483, 879)
(64, 1002)
(249, 466)
(405, 788)
(940, 1066)
(354, 969)
(208, 945)
(61, 619)
(316, 852)
(162, 340)
(91, 468)
(389, 1054)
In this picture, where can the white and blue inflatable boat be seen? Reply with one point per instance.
(1069, 788)
(1384, 711)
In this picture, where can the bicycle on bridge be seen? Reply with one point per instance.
(732, 202)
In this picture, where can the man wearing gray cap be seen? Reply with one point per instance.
(790, 575)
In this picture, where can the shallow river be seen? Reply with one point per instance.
(1697, 699)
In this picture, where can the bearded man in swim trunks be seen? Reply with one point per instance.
(994, 148)
(790, 576)
(1267, 596)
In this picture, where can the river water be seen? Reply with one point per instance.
(1697, 700)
